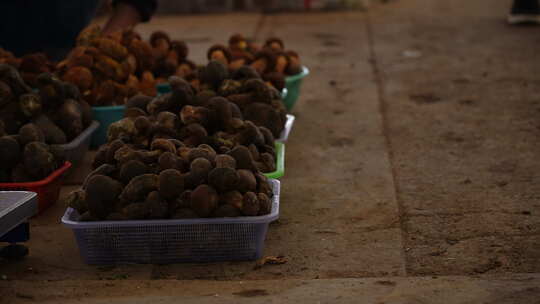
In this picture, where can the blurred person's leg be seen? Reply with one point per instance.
(524, 11)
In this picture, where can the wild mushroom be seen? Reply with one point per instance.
(276, 79)
(295, 67)
(225, 161)
(226, 211)
(38, 160)
(274, 43)
(10, 151)
(204, 199)
(265, 204)
(181, 48)
(163, 145)
(264, 61)
(131, 169)
(243, 158)
(29, 133)
(69, 118)
(213, 74)
(30, 105)
(53, 134)
(157, 205)
(223, 179)
(101, 194)
(219, 53)
(250, 204)
(238, 42)
(184, 213)
(246, 181)
(171, 184)
(160, 42)
(139, 187)
(80, 76)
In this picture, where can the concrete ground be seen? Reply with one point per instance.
(411, 170)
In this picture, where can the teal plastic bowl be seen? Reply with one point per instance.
(105, 116)
(280, 162)
(293, 85)
(163, 88)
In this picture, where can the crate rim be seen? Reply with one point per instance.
(92, 127)
(304, 73)
(57, 173)
(108, 108)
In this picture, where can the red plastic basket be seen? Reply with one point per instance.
(47, 189)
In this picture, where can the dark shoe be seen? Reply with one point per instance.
(524, 12)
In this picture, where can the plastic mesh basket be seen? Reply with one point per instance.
(47, 189)
(172, 241)
(75, 150)
(293, 85)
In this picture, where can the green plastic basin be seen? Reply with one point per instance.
(280, 162)
(293, 85)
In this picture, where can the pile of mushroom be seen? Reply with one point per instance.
(110, 69)
(54, 107)
(197, 118)
(273, 62)
(171, 181)
(30, 66)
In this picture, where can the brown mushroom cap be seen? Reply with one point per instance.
(136, 211)
(29, 133)
(155, 36)
(38, 160)
(234, 198)
(198, 152)
(275, 44)
(101, 194)
(157, 205)
(219, 53)
(169, 160)
(263, 186)
(184, 213)
(238, 42)
(194, 114)
(204, 200)
(131, 169)
(264, 61)
(277, 79)
(163, 145)
(10, 151)
(226, 211)
(250, 205)
(223, 179)
(139, 187)
(243, 157)
(225, 161)
(171, 184)
(201, 166)
(246, 181)
(181, 48)
(265, 204)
